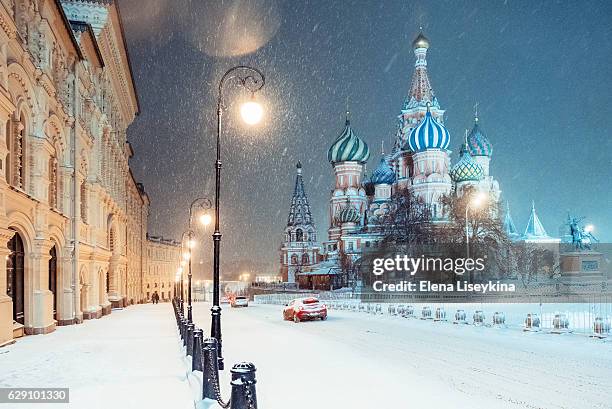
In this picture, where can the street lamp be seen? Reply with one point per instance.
(179, 276)
(475, 202)
(252, 80)
(205, 204)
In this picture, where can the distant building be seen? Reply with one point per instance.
(299, 250)
(163, 258)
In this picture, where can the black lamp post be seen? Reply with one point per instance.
(206, 204)
(253, 80)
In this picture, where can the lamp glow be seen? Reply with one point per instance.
(589, 228)
(479, 199)
(206, 219)
(251, 112)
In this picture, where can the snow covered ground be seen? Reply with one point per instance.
(355, 360)
(129, 359)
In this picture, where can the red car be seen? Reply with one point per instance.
(302, 309)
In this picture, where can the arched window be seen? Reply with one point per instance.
(53, 278)
(14, 277)
(299, 235)
(294, 259)
(305, 259)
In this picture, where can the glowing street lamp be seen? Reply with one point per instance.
(205, 204)
(206, 219)
(251, 112)
(589, 228)
(252, 80)
(475, 202)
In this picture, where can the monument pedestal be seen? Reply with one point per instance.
(582, 265)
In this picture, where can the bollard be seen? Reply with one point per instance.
(189, 332)
(440, 314)
(210, 369)
(184, 331)
(243, 386)
(499, 319)
(460, 317)
(532, 323)
(479, 318)
(196, 362)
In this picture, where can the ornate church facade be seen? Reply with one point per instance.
(72, 218)
(420, 161)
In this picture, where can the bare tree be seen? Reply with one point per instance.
(407, 221)
(484, 228)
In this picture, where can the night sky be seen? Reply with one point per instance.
(540, 71)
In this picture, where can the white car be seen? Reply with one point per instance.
(240, 301)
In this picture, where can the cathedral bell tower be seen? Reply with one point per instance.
(299, 250)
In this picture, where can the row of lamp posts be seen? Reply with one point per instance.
(252, 80)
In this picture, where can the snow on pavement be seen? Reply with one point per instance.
(130, 359)
(356, 360)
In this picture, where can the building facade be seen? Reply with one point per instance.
(163, 257)
(72, 218)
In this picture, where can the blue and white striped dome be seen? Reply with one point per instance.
(348, 214)
(383, 173)
(348, 147)
(429, 134)
(478, 143)
(466, 169)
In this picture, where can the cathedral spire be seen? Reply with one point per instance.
(299, 212)
(509, 226)
(534, 229)
(421, 91)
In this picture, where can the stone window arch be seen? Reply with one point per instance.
(299, 235)
(305, 259)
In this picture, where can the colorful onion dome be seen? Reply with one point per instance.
(348, 214)
(478, 143)
(421, 41)
(348, 147)
(466, 169)
(383, 173)
(429, 134)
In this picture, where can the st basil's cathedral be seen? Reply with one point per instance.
(419, 161)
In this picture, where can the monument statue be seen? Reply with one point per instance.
(582, 236)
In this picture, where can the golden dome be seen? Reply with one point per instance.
(420, 42)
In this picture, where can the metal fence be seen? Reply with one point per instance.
(589, 318)
(204, 358)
